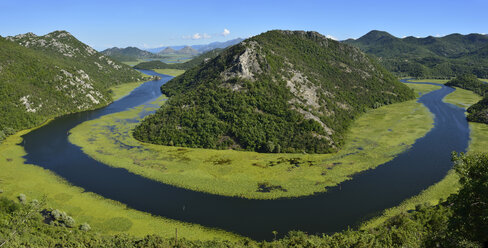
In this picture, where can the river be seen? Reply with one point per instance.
(370, 192)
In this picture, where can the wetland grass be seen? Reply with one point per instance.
(375, 138)
(450, 183)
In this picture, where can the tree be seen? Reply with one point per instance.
(470, 205)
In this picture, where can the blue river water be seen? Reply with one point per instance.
(365, 196)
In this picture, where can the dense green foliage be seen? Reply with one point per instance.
(461, 221)
(51, 75)
(156, 64)
(469, 206)
(469, 82)
(129, 54)
(280, 91)
(477, 112)
(430, 57)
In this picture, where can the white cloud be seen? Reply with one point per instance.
(197, 36)
(226, 32)
(330, 37)
(438, 35)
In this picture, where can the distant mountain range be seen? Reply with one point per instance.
(200, 48)
(447, 56)
(134, 53)
(188, 50)
(157, 64)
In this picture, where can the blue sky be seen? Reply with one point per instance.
(146, 24)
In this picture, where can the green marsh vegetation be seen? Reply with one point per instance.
(171, 72)
(375, 138)
(103, 215)
(457, 222)
(462, 98)
(422, 89)
(450, 184)
(121, 90)
(478, 112)
(430, 80)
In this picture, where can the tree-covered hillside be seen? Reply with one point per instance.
(46, 76)
(477, 112)
(469, 82)
(156, 64)
(128, 54)
(281, 91)
(440, 57)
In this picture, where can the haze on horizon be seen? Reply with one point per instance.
(149, 24)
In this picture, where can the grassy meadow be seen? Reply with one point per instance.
(122, 90)
(176, 58)
(375, 138)
(429, 80)
(171, 72)
(462, 98)
(133, 63)
(450, 183)
(422, 89)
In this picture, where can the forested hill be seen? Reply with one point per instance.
(46, 76)
(280, 91)
(128, 53)
(477, 112)
(442, 57)
(156, 64)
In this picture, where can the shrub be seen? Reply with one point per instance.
(22, 198)
(60, 218)
(85, 227)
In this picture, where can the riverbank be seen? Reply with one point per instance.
(375, 138)
(104, 215)
(450, 183)
(171, 72)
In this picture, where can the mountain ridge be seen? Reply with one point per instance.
(42, 77)
(442, 57)
(200, 48)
